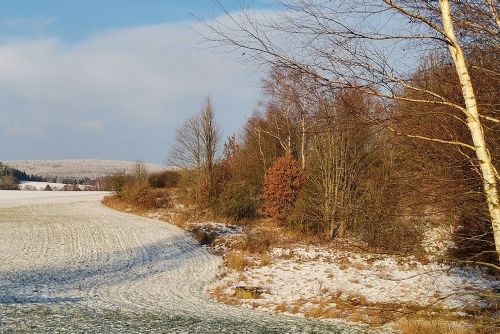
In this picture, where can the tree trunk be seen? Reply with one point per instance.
(474, 123)
(303, 141)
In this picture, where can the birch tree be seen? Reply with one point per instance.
(374, 46)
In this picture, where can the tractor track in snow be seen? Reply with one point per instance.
(74, 266)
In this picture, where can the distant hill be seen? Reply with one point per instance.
(76, 169)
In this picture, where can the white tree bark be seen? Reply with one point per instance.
(474, 123)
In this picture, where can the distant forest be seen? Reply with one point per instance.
(10, 177)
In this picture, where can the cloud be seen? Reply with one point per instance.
(93, 126)
(130, 87)
(12, 130)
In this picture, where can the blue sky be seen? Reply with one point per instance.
(112, 79)
(72, 20)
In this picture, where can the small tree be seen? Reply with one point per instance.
(196, 150)
(281, 185)
(48, 187)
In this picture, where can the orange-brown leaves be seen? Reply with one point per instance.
(281, 185)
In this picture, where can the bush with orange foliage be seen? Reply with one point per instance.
(281, 186)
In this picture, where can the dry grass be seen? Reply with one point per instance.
(119, 204)
(265, 260)
(237, 260)
(282, 308)
(322, 312)
(219, 295)
(437, 325)
(144, 201)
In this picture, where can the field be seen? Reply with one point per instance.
(67, 264)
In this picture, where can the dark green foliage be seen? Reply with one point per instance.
(19, 175)
(8, 181)
(237, 201)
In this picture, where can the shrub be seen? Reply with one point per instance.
(473, 238)
(153, 198)
(237, 201)
(118, 182)
(281, 185)
(306, 215)
(258, 242)
(401, 236)
(165, 179)
(8, 182)
(134, 191)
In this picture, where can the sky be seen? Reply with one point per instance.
(113, 79)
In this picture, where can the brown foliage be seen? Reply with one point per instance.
(154, 198)
(165, 179)
(445, 178)
(8, 182)
(281, 185)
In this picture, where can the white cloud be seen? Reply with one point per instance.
(134, 81)
(12, 130)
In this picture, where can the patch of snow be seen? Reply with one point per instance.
(222, 229)
(307, 273)
(437, 240)
(32, 185)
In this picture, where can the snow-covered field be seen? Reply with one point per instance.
(300, 279)
(67, 265)
(16, 198)
(76, 168)
(34, 185)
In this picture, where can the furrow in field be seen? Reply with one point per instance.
(79, 267)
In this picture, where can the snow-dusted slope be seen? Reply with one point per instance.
(72, 265)
(34, 185)
(15, 198)
(76, 168)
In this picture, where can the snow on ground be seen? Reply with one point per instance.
(33, 185)
(222, 236)
(71, 265)
(438, 240)
(15, 198)
(305, 274)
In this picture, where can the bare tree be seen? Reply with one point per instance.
(197, 146)
(374, 46)
(187, 151)
(290, 105)
(211, 141)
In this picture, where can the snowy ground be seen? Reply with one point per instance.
(300, 279)
(68, 265)
(34, 185)
(15, 198)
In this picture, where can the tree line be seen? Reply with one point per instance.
(10, 177)
(378, 120)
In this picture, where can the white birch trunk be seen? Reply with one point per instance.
(474, 123)
(303, 141)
